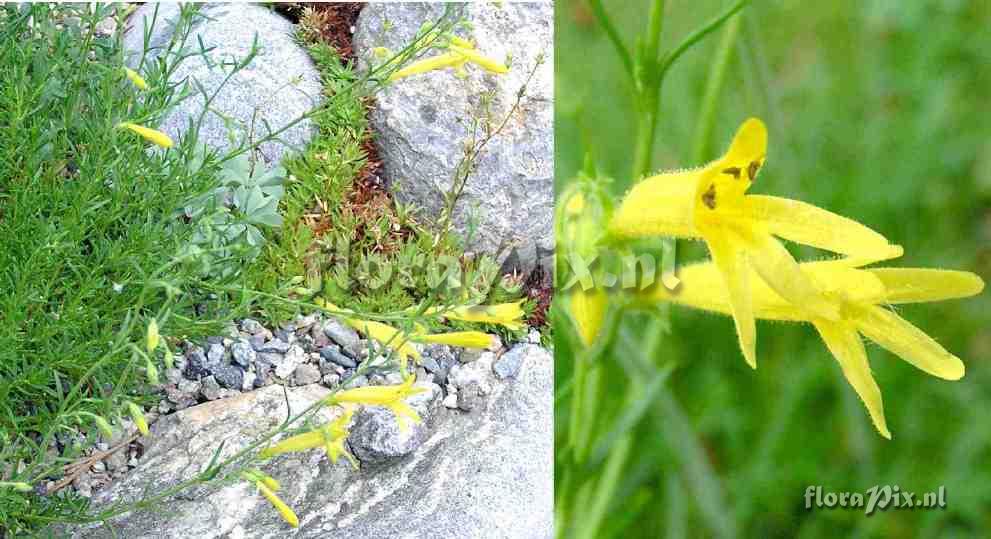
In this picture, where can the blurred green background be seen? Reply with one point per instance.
(879, 111)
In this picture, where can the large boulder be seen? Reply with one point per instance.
(422, 122)
(280, 84)
(487, 473)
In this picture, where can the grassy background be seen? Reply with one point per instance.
(877, 111)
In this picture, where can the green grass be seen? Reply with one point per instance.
(93, 245)
(876, 112)
(86, 224)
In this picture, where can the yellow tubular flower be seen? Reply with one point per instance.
(334, 432)
(508, 315)
(152, 135)
(386, 335)
(588, 307)
(135, 79)
(392, 397)
(859, 295)
(463, 43)
(285, 512)
(484, 62)
(465, 339)
(382, 333)
(441, 61)
(711, 203)
(300, 442)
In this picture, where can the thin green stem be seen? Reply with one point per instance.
(648, 87)
(701, 148)
(613, 35)
(605, 488)
(696, 36)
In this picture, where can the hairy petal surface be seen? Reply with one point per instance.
(660, 205)
(804, 223)
(736, 279)
(916, 285)
(782, 274)
(844, 343)
(908, 342)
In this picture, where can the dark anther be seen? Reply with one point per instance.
(709, 197)
(752, 170)
(734, 171)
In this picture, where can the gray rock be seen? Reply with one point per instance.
(451, 401)
(277, 346)
(257, 342)
(285, 335)
(477, 372)
(210, 389)
(320, 339)
(484, 474)
(178, 399)
(251, 326)
(117, 460)
(216, 353)
(333, 353)
(293, 358)
(190, 387)
(229, 376)
(279, 85)
(173, 376)
(302, 324)
(343, 335)
(249, 380)
(469, 397)
(306, 374)
(197, 364)
(331, 380)
(421, 123)
(376, 436)
(508, 364)
(265, 365)
(243, 354)
(438, 359)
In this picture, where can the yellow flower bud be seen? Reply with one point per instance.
(152, 135)
(136, 79)
(138, 417)
(285, 512)
(151, 371)
(104, 426)
(151, 337)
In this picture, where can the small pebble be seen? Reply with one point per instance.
(210, 389)
(243, 353)
(333, 353)
(216, 353)
(451, 401)
(229, 376)
(251, 326)
(275, 345)
(306, 374)
(343, 335)
(468, 397)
